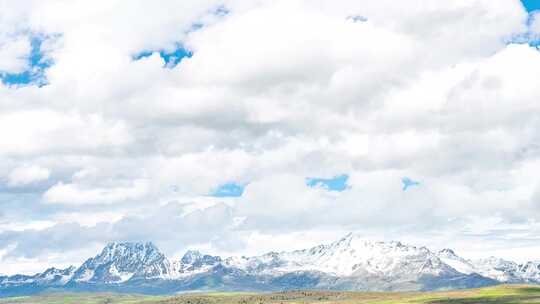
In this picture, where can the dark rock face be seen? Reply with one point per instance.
(118, 262)
(194, 260)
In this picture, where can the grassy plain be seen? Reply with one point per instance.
(503, 294)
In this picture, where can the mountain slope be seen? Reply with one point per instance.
(351, 263)
(120, 262)
(354, 263)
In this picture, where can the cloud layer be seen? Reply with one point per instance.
(100, 143)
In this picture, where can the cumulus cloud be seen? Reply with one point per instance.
(13, 54)
(27, 174)
(535, 25)
(76, 194)
(273, 93)
(38, 132)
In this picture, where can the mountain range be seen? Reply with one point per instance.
(351, 263)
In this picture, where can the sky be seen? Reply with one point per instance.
(239, 127)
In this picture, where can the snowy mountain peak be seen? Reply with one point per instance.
(196, 259)
(447, 252)
(119, 262)
(530, 271)
(131, 252)
(191, 256)
(352, 262)
(55, 276)
(121, 248)
(449, 257)
(351, 255)
(54, 270)
(357, 241)
(351, 238)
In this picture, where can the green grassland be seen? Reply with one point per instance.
(504, 294)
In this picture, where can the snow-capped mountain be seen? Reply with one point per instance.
(349, 256)
(55, 276)
(495, 268)
(499, 269)
(449, 257)
(120, 262)
(194, 262)
(351, 263)
(530, 271)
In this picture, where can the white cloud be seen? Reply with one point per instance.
(275, 91)
(14, 53)
(32, 132)
(27, 174)
(535, 25)
(76, 194)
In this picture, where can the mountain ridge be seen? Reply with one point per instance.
(350, 263)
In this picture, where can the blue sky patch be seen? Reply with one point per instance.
(171, 59)
(37, 63)
(220, 11)
(531, 5)
(529, 37)
(407, 183)
(336, 183)
(228, 190)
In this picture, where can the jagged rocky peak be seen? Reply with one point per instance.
(350, 238)
(495, 262)
(447, 252)
(132, 253)
(55, 275)
(127, 253)
(354, 255)
(132, 249)
(196, 258)
(349, 241)
(358, 244)
(121, 261)
(531, 265)
(191, 256)
(58, 271)
(357, 240)
(530, 271)
(351, 262)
